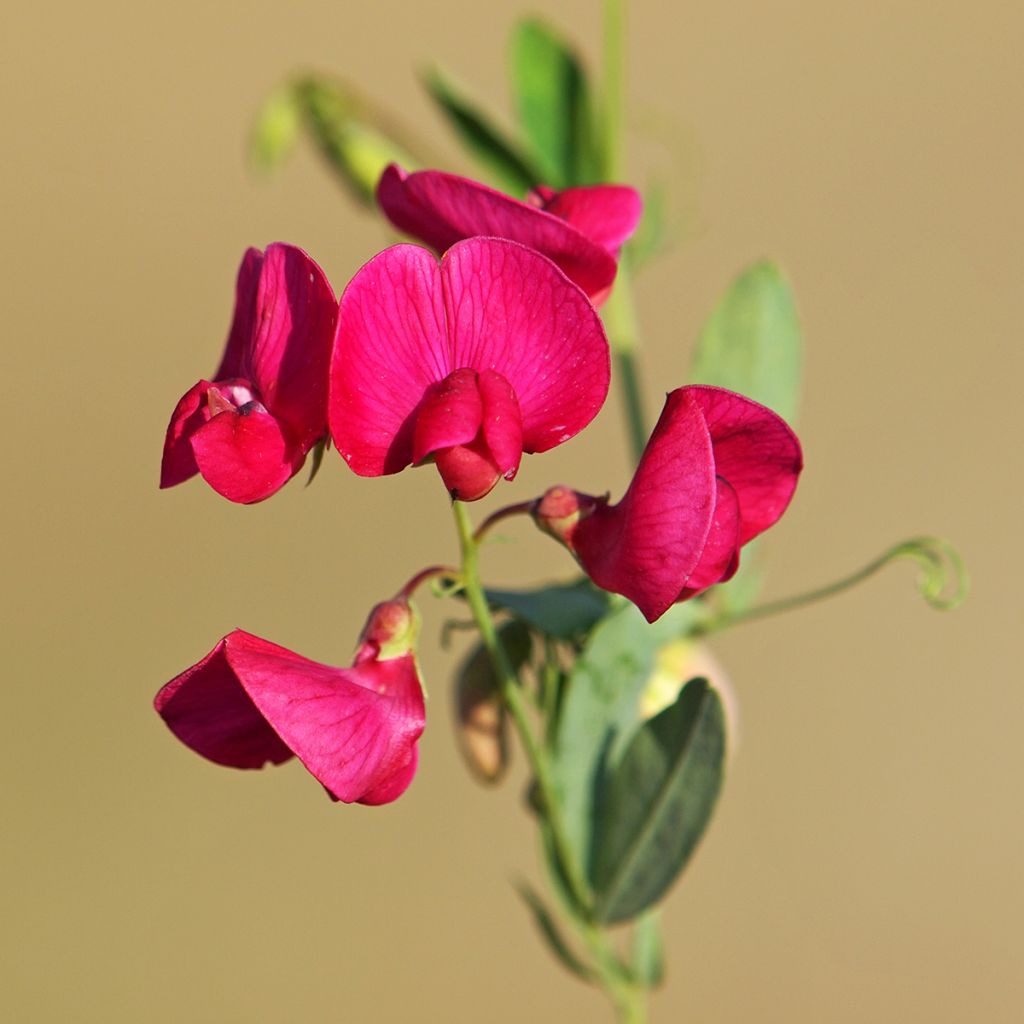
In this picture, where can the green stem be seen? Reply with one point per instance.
(516, 704)
(942, 570)
(614, 86)
(619, 317)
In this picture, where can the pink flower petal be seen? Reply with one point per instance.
(510, 310)
(207, 709)
(440, 209)
(720, 558)
(235, 361)
(290, 347)
(607, 214)
(191, 412)
(451, 413)
(354, 729)
(390, 346)
(647, 545)
(245, 456)
(755, 451)
(502, 422)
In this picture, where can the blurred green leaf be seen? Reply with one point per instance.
(650, 236)
(553, 103)
(647, 954)
(562, 610)
(276, 129)
(600, 706)
(511, 169)
(546, 925)
(657, 804)
(751, 343)
(343, 130)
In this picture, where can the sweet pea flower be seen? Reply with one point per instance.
(250, 702)
(580, 229)
(248, 430)
(718, 470)
(470, 363)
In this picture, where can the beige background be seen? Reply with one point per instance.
(865, 861)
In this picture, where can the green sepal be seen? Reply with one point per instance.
(489, 145)
(751, 343)
(564, 611)
(317, 457)
(549, 930)
(656, 803)
(552, 99)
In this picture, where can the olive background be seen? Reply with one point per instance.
(865, 861)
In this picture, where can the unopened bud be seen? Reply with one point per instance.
(391, 631)
(560, 509)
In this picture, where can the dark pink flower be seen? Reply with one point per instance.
(250, 702)
(248, 430)
(580, 229)
(718, 470)
(470, 363)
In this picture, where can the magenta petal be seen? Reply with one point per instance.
(390, 346)
(451, 414)
(235, 361)
(607, 214)
(502, 422)
(440, 209)
(293, 331)
(755, 451)
(245, 456)
(354, 729)
(191, 412)
(720, 558)
(512, 311)
(209, 711)
(647, 545)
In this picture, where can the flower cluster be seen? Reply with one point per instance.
(469, 356)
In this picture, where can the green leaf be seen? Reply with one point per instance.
(562, 610)
(647, 955)
(650, 236)
(485, 141)
(552, 100)
(751, 344)
(600, 707)
(275, 129)
(548, 928)
(657, 803)
(344, 132)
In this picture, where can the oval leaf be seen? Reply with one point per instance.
(657, 804)
(751, 343)
(561, 610)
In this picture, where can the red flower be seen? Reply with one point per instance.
(250, 702)
(580, 229)
(471, 363)
(248, 431)
(718, 470)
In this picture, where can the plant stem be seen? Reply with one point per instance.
(619, 317)
(614, 87)
(516, 704)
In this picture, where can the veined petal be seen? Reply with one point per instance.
(191, 412)
(290, 347)
(755, 451)
(721, 555)
(354, 729)
(647, 546)
(209, 711)
(512, 311)
(244, 321)
(440, 209)
(246, 455)
(390, 346)
(502, 422)
(607, 214)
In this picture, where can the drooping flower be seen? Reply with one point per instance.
(580, 229)
(718, 470)
(248, 430)
(470, 363)
(250, 702)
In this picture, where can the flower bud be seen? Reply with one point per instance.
(391, 631)
(560, 510)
